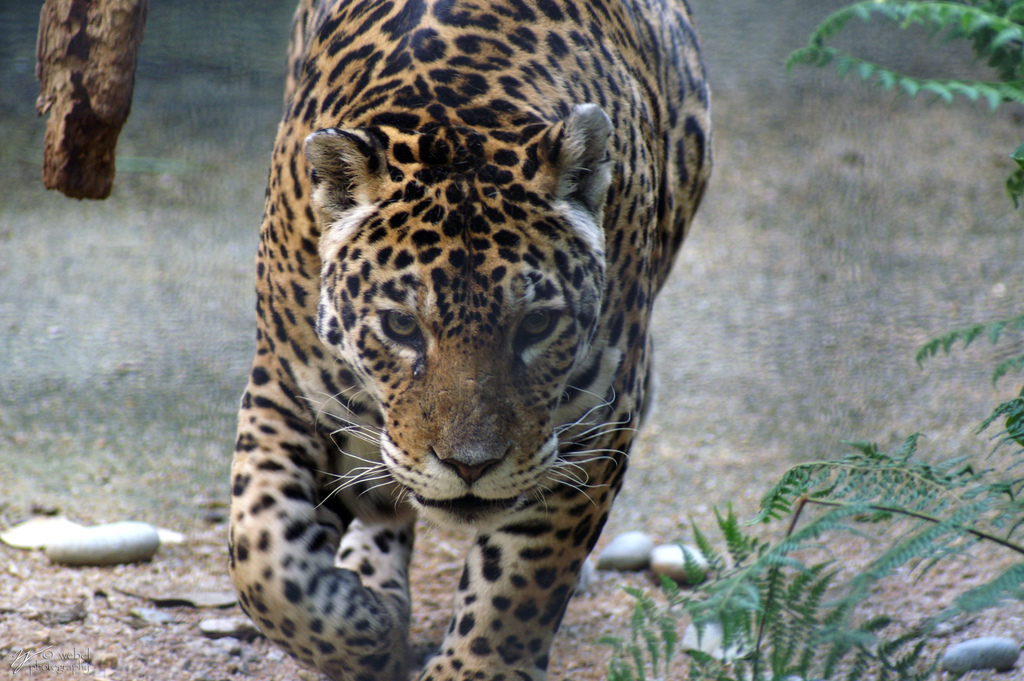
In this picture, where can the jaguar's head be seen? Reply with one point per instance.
(461, 283)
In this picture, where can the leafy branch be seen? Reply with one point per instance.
(995, 29)
(967, 335)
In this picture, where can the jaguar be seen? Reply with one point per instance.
(470, 209)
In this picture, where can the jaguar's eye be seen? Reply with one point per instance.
(535, 326)
(400, 327)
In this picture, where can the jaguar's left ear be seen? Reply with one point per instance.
(347, 168)
(580, 153)
(579, 167)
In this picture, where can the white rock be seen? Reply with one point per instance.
(670, 560)
(990, 652)
(205, 599)
(235, 627)
(124, 542)
(170, 536)
(586, 578)
(36, 533)
(229, 645)
(152, 615)
(628, 551)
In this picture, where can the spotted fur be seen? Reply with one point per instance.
(471, 207)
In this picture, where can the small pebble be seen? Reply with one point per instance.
(586, 578)
(990, 652)
(237, 627)
(196, 648)
(170, 536)
(670, 560)
(152, 616)
(214, 516)
(171, 596)
(209, 599)
(709, 640)
(229, 645)
(105, 661)
(628, 551)
(124, 542)
(36, 533)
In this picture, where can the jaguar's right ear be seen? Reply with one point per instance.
(347, 168)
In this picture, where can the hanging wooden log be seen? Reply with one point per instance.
(85, 60)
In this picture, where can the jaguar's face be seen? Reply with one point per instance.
(463, 297)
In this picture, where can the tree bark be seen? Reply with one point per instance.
(86, 54)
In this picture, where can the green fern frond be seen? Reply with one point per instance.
(875, 480)
(1015, 182)
(670, 589)
(967, 335)
(797, 613)
(693, 571)
(1006, 586)
(1014, 364)
(993, 93)
(1013, 411)
(966, 20)
(994, 29)
(670, 636)
(714, 558)
(653, 649)
(909, 665)
(740, 546)
(840, 640)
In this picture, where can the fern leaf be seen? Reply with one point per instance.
(910, 86)
(921, 545)
(638, 661)
(1013, 412)
(1005, 586)
(906, 666)
(872, 482)
(1006, 36)
(715, 560)
(667, 628)
(670, 588)
(796, 482)
(937, 15)
(619, 670)
(634, 592)
(994, 330)
(653, 649)
(991, 33)
(939, 89)
(1006, 366)
(740, 546)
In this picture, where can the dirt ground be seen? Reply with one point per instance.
(843, 228)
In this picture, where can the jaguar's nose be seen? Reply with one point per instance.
(471, 463)
(470, 473)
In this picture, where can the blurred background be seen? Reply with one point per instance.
(843, 228)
